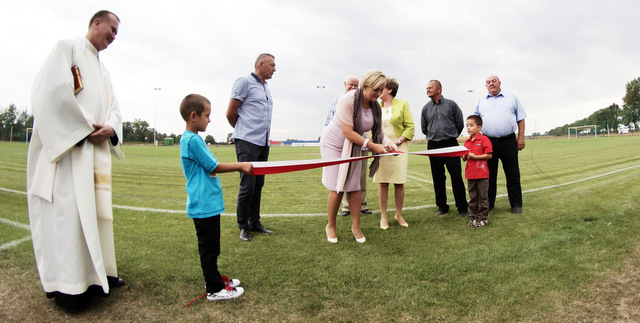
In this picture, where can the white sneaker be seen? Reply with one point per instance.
(226, 293)
(230, 281)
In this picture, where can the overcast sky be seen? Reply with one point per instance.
(563, 59)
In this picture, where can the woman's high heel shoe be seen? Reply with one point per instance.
(332, 240)
(361, 240)
(405, 224)
(384, 227)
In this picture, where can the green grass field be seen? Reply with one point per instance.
(572, 255)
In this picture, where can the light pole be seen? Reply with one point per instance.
(320, 87)
(470, 91)
(155, 121)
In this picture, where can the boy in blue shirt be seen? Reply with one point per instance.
(204, 200)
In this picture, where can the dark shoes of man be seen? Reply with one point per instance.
(442, 212)
(347, 213)
(463, 213)
(261, 229)
(244, 235)
(115, 282)
(79, 302)
(516, 210)
(72, 303)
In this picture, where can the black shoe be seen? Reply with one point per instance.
(464, 214)
(261, 229)
(441, 212)
(345, 213)
(366, 211)
(72, 303)
(516, 210)
(115, 282)
(244, 235)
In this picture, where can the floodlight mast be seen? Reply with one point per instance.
(155, 121)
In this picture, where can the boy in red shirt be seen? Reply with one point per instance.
(477, 172)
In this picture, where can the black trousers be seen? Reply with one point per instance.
(505, 149)
(454, 168)
(208, 232)
(250, 192)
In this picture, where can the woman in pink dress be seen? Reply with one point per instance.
(357, 112)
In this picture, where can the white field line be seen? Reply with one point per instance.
(12, 191)
(142, 209)
(14, 242)
(15, 224)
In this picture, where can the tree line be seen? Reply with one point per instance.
(611, 116)
(16, 126)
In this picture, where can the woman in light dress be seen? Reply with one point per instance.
(357, 111)
(397, 123)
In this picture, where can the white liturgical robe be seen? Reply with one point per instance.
(69, 178)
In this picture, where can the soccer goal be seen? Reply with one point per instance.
(583, 131)
(26, 134)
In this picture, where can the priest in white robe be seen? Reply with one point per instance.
(77, 125)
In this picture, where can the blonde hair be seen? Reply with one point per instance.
(373, 79)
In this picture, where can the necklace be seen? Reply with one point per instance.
(387, 116)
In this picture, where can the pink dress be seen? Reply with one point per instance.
(332, 141)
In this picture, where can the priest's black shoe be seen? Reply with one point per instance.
(261, 229)
(115, 282)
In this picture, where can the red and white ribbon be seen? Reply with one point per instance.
(285, 166)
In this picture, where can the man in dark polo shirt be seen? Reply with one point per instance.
(442, 123)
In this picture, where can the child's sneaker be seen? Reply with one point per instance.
(230, 282)
(472, 223)
(482, 223)
(227, 292)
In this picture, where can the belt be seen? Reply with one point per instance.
(511, 136)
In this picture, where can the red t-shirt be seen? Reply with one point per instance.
(479, 145)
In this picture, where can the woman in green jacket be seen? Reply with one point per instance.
(397, 123)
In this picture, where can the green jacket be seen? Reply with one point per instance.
(401, 119)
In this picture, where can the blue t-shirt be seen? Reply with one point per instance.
(204, 193)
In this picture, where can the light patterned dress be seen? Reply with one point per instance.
(332, 142)
(393, 169)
